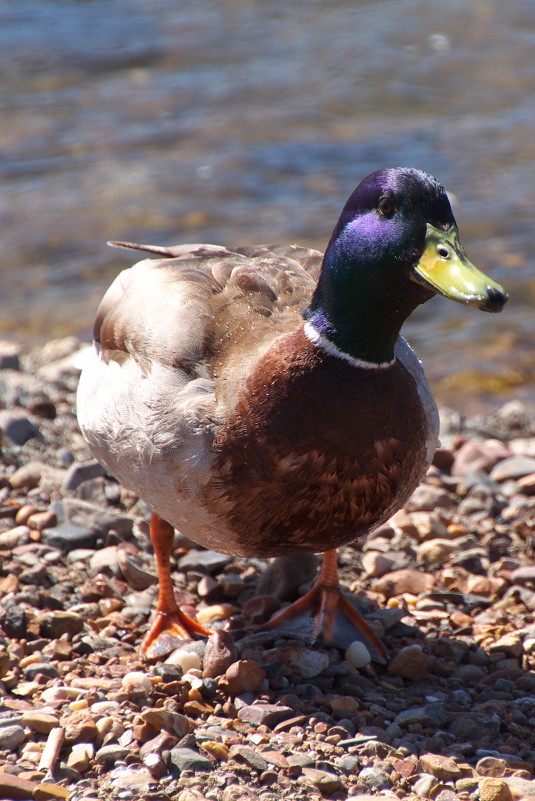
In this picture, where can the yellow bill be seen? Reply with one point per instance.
(445, 268)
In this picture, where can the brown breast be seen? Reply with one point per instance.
(316, 451)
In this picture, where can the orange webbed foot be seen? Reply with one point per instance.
(326, 615)
(170, 626)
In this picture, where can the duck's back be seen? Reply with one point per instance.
(205, 397)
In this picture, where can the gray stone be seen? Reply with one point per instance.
(45, 668)
(265, 714)
(17, 426)
(172, 722)
(188, 759)
(347, 764)
(68, 537)
(375, 778)
(430, 715)
(11, 737)
(249, 756)
(476, 729)
(110, 753)
(55, 624)
(80, 472)
(515, 467)
(101, 521)
(208, 561)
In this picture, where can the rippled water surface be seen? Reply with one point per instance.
(239, 122)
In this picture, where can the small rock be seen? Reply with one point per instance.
(135, 779)
(475, 456)
(521, 788)
(208, 614)
(426, 498)
(15, 621)
(404, 580)
(409, 663)
(11, 737)
(358, 655)
(207, 561)
(17, 426)
(440, 766)
(243, 676)
(523, 575)
(40, 722)
(110, 753)
(435, 552)
(187, 660)
(376, 564)
(327, 783)
(514, 467)
(494, 789)
(219, 655)
(431, 715)
(137, 684)
(308, 663)
(15, 787)
(188, 759)
(67, 537)
(79, 472)
(479, 730)
(262, 714)
(55, 624)
(375, 778)
(172, 722)
(248, 755)
(43, 668)
(81, 756)
(42, 520)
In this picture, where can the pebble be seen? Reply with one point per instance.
(219, 655)
(188, 759)
(17, 426)
(515, 467)
(262, 714)
(410, 663)
(172, 722)
(358, 655)
(327, 783)
(243, 676)
(442, 767)
(402, 581)
(40, 722)
(11, 737)
(187, 660)
(68, 537)
(375, 778)
(308, 663)
(492, 789)
(207, 561)
(81, 756)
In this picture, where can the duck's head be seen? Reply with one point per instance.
(395, 245)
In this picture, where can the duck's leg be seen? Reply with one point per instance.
(326, 612)
(170, 624)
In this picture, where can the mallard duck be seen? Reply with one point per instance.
(262, 400)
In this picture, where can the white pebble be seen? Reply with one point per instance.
(187, 660)
(358, 655)
(137, 680)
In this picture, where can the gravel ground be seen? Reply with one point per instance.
(450, 585)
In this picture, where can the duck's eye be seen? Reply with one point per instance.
(386, 206)
(443, 252)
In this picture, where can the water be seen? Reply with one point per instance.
(239, 122)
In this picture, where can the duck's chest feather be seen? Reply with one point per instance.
(316, 451)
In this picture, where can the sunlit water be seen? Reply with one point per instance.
(241, 122)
